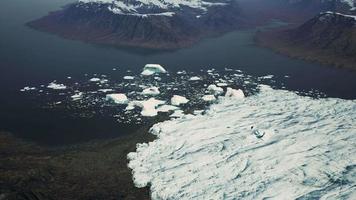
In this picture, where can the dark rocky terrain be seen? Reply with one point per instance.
(95, 170)
(328, 38)
(97, 23)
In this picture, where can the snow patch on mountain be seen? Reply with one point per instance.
(305, 148)
(146, 8)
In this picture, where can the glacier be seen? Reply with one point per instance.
(307, 150)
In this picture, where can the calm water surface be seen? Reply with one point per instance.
(29, 57)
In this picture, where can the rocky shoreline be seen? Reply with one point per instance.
(95, 170)
(272, 40)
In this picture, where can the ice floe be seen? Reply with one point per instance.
(233, 93)
(129, 77)
(149, 107)
(27, 88)
(305, 149)
(95, 80)
(167, 108)
(209, 97)
(213, 89)
(177, 100)
(195, 78)
(151, 91)
(56, 86)
(118, 98)
(77, 96)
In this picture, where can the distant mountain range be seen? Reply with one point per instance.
(163, 24)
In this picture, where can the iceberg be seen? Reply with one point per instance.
(151, 69)
(307, 150)
(117, 98)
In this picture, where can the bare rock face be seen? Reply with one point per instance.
(136, 23)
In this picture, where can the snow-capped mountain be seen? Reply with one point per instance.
(155, 7)
(146, 23)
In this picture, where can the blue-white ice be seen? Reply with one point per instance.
(308, 150)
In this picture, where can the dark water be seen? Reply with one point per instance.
(29, 57)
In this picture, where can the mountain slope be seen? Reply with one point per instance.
(328, 38)
(154, 24)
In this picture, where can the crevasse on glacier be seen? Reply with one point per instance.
(308, 150)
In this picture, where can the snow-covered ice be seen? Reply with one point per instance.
(213, 89)
(195, 78)
(149, 107)
(129, 77)
(151, 91)
(177, 100)
(307, 150)
(151, 69)
(167, 108)
(27, 88)
(56, 86)
(209, 97)
(94, 80)
(233, 93)
(77, 96)
(117, 98)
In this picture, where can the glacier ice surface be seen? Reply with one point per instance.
(307, 151)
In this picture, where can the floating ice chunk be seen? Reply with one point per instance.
(77, 96)
(27, 89)
(233, 93)
(195, 78)
(117, 98)
(177, 114)
(222, 84)
(209, 97)
(151, 91)
(104, 81)
(181, 72)
(213, 89)
(167, 108)
(198, 112)
(129, 77)
(148, 106)
(267, 77)
(56, 86)
(94, 80)
(105, 90)
(177, 100)
(151, 69)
